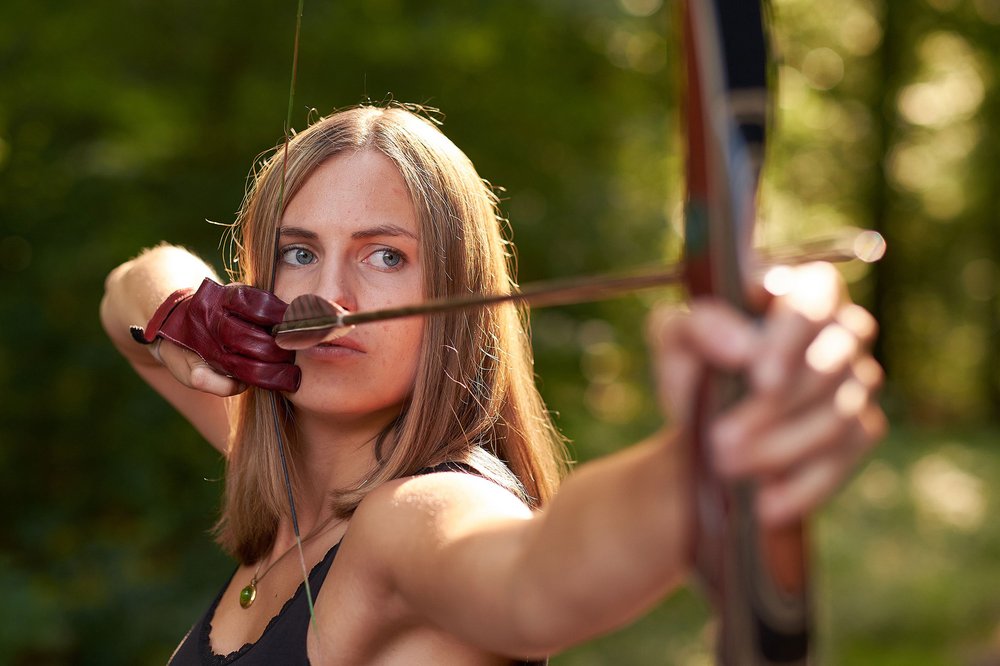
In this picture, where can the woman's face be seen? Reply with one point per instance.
(350, 234)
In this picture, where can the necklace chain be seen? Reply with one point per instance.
(249, 593)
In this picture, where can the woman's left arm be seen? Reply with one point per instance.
(465, 555)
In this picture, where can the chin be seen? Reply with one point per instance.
(339, 398)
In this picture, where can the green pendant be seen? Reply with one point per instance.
(248, 594)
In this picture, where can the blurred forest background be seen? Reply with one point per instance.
(124, 123)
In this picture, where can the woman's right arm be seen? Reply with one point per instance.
(132, 292)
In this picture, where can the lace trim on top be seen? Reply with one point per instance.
(205, 638)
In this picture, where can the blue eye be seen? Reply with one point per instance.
(386, 259)
(297, 256)
(390, 258)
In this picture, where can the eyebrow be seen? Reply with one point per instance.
(370, 232)
(298, 232)
(383, 230)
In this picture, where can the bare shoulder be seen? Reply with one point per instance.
(412, 528)
(409, 546)
(430, 507)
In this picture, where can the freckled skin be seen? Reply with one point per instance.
(357, 225)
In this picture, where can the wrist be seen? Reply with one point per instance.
(149, 334)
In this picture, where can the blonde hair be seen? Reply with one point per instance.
(474, 398)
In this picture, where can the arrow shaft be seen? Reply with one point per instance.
(575, 290)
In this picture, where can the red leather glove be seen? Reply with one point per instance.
(230, 328)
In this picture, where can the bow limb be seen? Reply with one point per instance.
(756, 577)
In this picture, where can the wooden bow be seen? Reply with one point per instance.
(755, 577)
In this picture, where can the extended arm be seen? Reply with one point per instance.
(460, 553)
(467, 557)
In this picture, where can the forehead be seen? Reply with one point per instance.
(352, 188)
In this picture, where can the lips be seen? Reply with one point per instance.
(344, 343)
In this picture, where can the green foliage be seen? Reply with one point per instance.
(884, 122)
(125, 123)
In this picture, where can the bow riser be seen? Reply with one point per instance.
(755, 577)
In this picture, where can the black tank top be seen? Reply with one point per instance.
(284, 638)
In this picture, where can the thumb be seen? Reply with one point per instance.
(193, 371)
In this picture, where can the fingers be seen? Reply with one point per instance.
(192, 371)
(800, 438)
(714, 332)
(271, 376)
(749, 441)
(220, 341)
(836, 377)
(813, 295)
(791, 496)
(684, 342)
(811, 409)
(237, 336)
(204, 378)
(255, 305)
(250, 354)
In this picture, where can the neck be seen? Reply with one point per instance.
(333, 453)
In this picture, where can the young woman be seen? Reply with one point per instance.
(424, 464)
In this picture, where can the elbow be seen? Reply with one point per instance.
(108, 308)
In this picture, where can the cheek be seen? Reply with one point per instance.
(290, 283)
(285, 288)
(405, 339)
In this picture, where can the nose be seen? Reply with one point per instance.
(336, 283)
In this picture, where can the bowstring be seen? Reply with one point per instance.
(274, 271)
